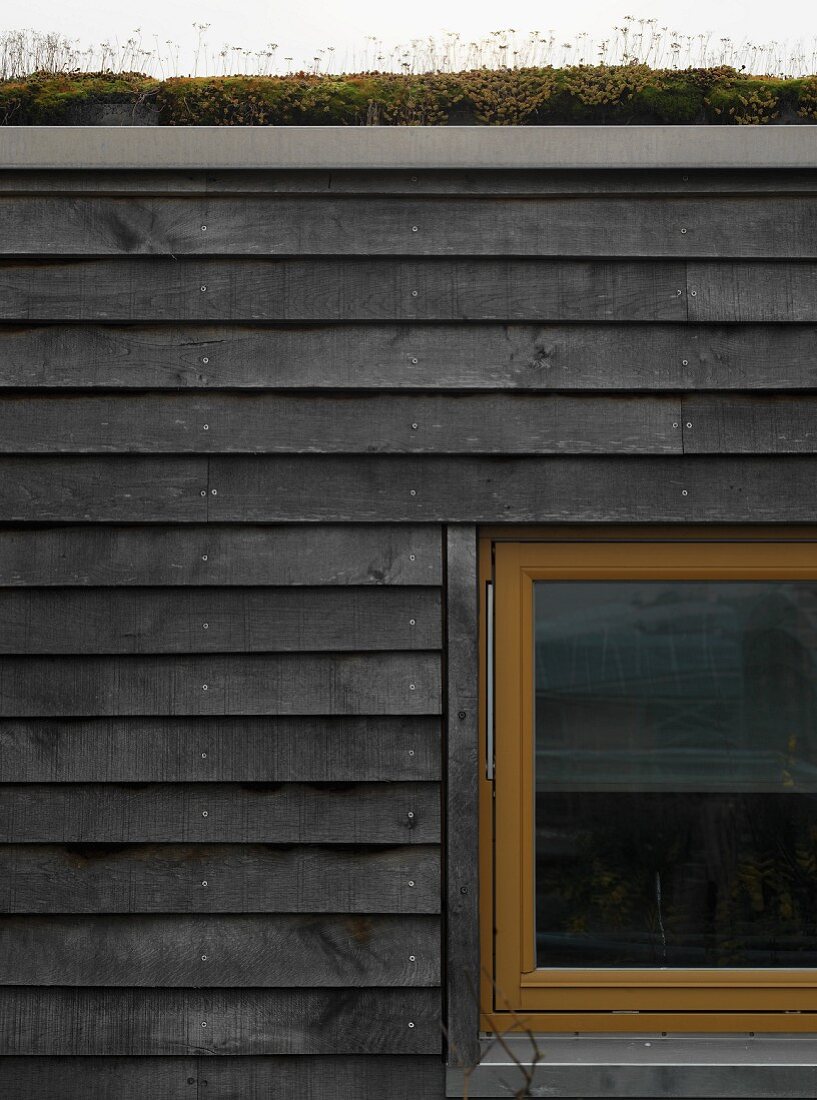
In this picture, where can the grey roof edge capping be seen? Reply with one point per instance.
(292, 147)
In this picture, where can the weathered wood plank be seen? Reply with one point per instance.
(236, 750)
(349, 356)
(376, 289)
(68, 1078)
(242, 555)
(283, 1077)
(533, 490)
(767, 292)
(218, 620)
(279, 424)
(406, 683)
(462, 797)
(248, 1021)
(259, 878)
(473, 181)
(220, 952)
(211, 813)
(334, 225)
(378, 489)
(750, 425)
(113, 488)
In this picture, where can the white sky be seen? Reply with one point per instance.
(302, 27)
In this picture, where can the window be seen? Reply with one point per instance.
(649, 818)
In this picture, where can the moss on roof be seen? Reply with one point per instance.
(622, 94)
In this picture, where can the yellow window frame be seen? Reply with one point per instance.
(515, 995)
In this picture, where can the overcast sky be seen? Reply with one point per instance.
(302, 27)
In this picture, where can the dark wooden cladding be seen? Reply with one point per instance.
(218, 620)
(667, 226)
(750, 425)
(111, 489)
(522, 490)
(462, 797)
(220, 952)
(271, 1077)
(265, 423)
(163, 289)
(404, 181)
(404, 489)
(206, 555)
(37, 1021)
(738, 292)
(89, 1078)
(242, 471)
(261, 684)
(409, 356)
(245, 878)
(210, 813)
(241, 750)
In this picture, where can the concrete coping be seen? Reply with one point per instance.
(407, 147)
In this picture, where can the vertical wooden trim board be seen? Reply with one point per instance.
(462, 797)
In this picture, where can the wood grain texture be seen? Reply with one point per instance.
(321, 554)
(218, 620)
(163, 289)
(275, 424)
(767, 292)
(245, 878)
(251, 1021)
(249, 951)
(525, 490)
(347, 225)
(404, 181)
(282, 1077)
(409, 356)
(210, 813)
(750, 425)
(238, 750)
(462, 797)
(114, 488)
(217, 684)
(378, 489)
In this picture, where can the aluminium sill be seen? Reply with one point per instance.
(408, 147)
(647, 1066)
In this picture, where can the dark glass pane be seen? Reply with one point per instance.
(676, 773)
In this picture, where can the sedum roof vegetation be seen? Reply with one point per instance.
(614, 94)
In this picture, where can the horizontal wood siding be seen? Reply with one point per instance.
(249, 423)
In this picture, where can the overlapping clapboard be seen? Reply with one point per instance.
(237, 412)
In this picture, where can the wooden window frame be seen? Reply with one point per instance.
(514, 994)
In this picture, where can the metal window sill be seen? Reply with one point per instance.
(648, 1066)
(442, 147)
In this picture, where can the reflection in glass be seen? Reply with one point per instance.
(676, 773)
